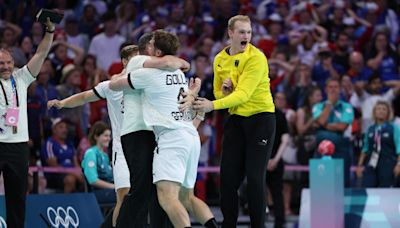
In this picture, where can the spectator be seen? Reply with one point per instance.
(365, 100)
(268, 41)
(107, 42)
(26, 47)
(347, 88)
(306, 126)
(46, 91)
(303, 83)
(381, 149)
(383, 58)
(389, 18)
(334, 24)
(307, 49)
(357, 69)
(202, 70)
(89, 72)
(280, 71)
(74, 38)
(36, 34)
(126, 14)
(70, 85)
(333, 117)
(34, 124)
(9, 36)
(342, 50)
(59, 57)
(186, 51)
(96, 163)
(275, 169)
(58, 152)
(89, 21)
(326, 68)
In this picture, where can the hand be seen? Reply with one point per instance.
(187, 101)
(359, 171)
(186, 66)
(50, 25)
(226, 87)
(195, 85)
(272, 164)
(190, 96)
(203, 105)
(396, 170)
(55, 103)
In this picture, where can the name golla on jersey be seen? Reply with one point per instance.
(162, 91)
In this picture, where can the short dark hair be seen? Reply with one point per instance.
(143, 41)
(375, 75)
(200, 55)
(127, 49)
(166, 42)
(96, 130)
(108, 16)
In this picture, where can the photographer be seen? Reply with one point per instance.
(14, 150)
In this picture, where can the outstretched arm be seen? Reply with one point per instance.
(74, 100)
(37, 59)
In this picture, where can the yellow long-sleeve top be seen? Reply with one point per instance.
(249, 74)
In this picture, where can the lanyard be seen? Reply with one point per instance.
(377, 138)
(15, 92)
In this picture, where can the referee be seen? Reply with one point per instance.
(14, 151)
(241, 84)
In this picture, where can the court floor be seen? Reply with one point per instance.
(244, 220)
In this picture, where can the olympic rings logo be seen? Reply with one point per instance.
(3, 223)
(64, 217)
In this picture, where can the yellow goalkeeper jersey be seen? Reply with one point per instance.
(249, 74)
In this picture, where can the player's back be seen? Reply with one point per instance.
(162, 91)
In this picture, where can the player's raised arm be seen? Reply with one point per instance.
(167, 62)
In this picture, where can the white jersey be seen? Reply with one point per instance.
(162, 91)
(133, 114)
(23, 78)
(115, 105)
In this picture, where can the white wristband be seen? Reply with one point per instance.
(200, 116)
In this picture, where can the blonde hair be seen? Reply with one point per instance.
(389, 115)
(128, 51)
(232, 20)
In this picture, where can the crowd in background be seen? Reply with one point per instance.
(306, 42)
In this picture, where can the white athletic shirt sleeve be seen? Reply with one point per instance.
(101, 89)
(140, 79)
(114, 106)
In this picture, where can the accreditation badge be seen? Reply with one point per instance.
(373, 161)
(12, 117)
